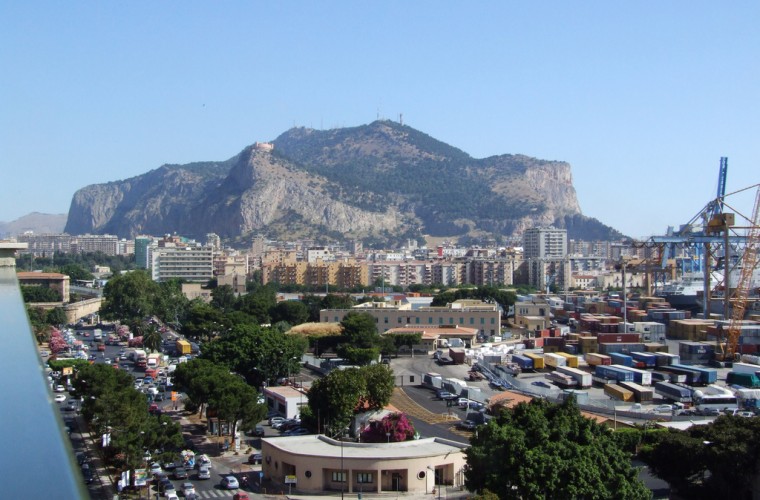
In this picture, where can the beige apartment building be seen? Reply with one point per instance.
(318, 464)
(486, 318)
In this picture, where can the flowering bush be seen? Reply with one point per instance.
(397, 425)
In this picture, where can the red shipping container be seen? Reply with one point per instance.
(544, 333)
(625, 338)
(748, 348)
(538, 343)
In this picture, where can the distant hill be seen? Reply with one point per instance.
(36, 222)
(383, 182)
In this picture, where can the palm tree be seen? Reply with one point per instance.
(152, 338)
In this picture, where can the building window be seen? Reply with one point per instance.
(472, 321)
(451, 321)
(364, 477)
(430, 320)
(417, 320)
(482, 321)
(338, 477)
(461, 321)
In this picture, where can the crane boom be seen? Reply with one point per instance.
(749, 261)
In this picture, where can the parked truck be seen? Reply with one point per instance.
(183, 347)
(538, 360)
(613, 373)
(673, 392)
(524, 362)
(649, 359)
(583, 379)
(432, 380)
(571, 360)
(457, 354)
(642, 377)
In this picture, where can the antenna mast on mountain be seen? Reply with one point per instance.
(401, 118)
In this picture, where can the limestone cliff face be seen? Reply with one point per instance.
(380, 181)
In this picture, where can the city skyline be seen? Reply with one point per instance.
(641, 100)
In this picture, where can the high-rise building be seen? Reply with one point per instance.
(545, 243)
(190, 263)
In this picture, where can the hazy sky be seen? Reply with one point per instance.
(641, 98)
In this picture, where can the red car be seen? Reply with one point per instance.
(240, 496)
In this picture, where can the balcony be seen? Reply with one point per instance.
(37, 458)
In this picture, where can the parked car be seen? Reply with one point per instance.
(462, 402)
(188, 489)
(443, 394)
(204, 473)
(230, 483)
(171, 495)
(255, 458)
(664, 409)
(298, 431)
(60, 398)
(467, 425)
(155, 468)
(241, 496)
(258, 431)
(202, 461)
(180, 473)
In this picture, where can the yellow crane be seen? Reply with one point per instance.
(739, 300)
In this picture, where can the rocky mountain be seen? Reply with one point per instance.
(382, 181)
(35, 222)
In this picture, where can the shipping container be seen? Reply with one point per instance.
(640, 393)
(745, 368)
(625, 348)
(691, 377)
(561, 379)
(524, 362)
(594, 359)
(617, 392)
(454, 385)
(673, 392)
(649, 359)
(639, 376)
(618, 338)
(432, 380)
(538, 360)
(750, 380)
(708, 375)
(457, 354)
(665, 359)
(582, 378)
(614, 373)
(621, 359)
(571, 361)
(554, 360)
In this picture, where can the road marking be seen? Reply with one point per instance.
(401, 400)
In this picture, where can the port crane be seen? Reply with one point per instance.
(739, 301)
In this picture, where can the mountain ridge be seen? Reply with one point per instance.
(381, 182)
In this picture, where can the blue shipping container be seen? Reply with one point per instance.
(611, 372)
(621, 359)
(649, 360)
(523, 362)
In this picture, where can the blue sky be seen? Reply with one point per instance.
(641, 98)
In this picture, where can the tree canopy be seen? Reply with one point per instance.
(335, 398)
(718, 460)
(544, 450)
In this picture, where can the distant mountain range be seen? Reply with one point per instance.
(383, 183)
(36, 222)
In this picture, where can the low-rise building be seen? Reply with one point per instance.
(318, 464)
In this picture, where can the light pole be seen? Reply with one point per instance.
(342, 472)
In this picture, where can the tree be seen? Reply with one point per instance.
(76, 272)
(379, 386)
(56, 317)
(152, 338)
(334, 398)
(361, 343)
(39, 294)
(258, 304)
(290, 311)
(223, 298)
(718, 460)
(543, 450)
(258, 354)
(130, 297)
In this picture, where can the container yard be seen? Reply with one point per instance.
(538, 360)
(582, 378)
(593, 359)
(642, 377)
(673, 392)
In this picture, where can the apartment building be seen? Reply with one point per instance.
(192, 263)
